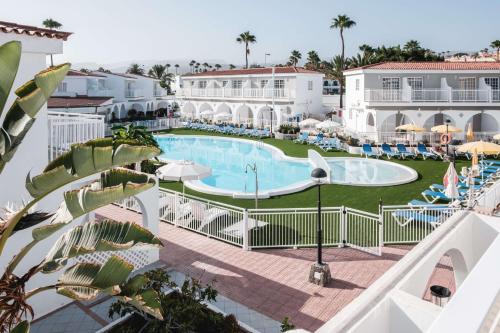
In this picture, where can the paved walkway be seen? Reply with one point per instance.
(274, 282)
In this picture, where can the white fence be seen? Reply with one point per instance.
(157, 124)
(66, 129)
(432, 95)
(297, 227)
(257, 93)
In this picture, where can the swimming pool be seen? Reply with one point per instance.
(277, 173)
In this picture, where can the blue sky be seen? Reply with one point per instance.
(110, 31)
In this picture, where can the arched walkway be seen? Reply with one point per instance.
(266, 117)
(393, 121)
(122, 113)
(223, 113)
(243, 115)
(205, 111)
(115, 113)
(436, 120)
(188, 110)
(137, 107)
(482, 122)
(370, 123)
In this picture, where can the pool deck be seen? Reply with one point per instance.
(274, 282)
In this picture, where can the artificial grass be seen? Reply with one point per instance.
(359, 197)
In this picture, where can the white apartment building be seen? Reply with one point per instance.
(382, 96)
(109, 94)
(255, 96)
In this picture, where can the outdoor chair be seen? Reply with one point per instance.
(404, 153)
(387, 151)
(435, 196)
(368, 151)
(422, 150)
(302, 137)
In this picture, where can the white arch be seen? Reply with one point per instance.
(203, 108)
(243, 115)
(123, 111)
(264, 116)
(162, 105)
(438, 119)
(370, 122)
(482, 122)
(115, 113)
(189, 110)
(394, 120)
(137, 107)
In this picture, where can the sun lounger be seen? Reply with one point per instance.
(387, 151)
(368, 151)
(317, 139)
(422, 150)
(434, 196)
(404, 153)
(236, 229)
(302, 137)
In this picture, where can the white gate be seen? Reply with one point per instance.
(362, 230)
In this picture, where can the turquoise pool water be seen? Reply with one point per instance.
(228, 159)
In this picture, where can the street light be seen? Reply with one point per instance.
(320, 272)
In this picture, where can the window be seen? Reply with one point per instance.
(357, 84)
(390, 83)
(467, 83)
(224, 83)
(493, 82)
(63, 87)
(236, 84)
(279, 84)
(416, 83)
(263, 83)
(202, 84)
(309, 85)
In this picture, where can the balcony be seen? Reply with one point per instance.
(133, 93)
(241, 93)
(158, 92)
(422, 96)
(100, 92)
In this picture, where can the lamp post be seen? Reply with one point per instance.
(447, 133)
(320, 272)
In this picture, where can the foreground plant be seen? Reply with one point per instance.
(183, 309)
(82, 280)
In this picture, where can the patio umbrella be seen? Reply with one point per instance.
(310, 122)
(410, 128)
(496, 136)
(470, 133)
(450, 181)
(182, 171)
(442, 129)
(327, 124)
(480, 147)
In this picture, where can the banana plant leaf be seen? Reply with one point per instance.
(10, 54)
(84, 281)
(22, 327)
(133, 291)
(21, 115)
(96, 237)
(84, 160)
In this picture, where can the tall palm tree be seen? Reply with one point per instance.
(474, 56)
(205, 66)
(167, 66)
(158, 72)
(335, 70)
(496, 45)
(52, 25)
(176, 68)
(231, 66)
(342, 22)
(294, 58)
(313, 60)
(217, 67)
(191, 65)
(246, 38)
(135, 69)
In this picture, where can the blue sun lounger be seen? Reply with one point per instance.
(302, 137)
(405, 152)
(434, 196)
(422, 150)
(368, 151)
(387, 151)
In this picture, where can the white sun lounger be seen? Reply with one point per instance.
(236, 230)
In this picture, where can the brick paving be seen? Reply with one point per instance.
(274, 282)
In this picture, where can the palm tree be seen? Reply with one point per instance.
(104, 70)
(231, 66)
(52, 25)
(335, 70)
(176, 68)
(496, 45)
(205, 66)
(365, 48)
(246, 38)
(159, 72)
(313, 60)
(294, 58)
(167, 66)
(191, 65)
(342, 22)
(217, 67)
(135, 69)
(474, 56)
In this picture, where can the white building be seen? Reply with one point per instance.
(109, 94)
(248, 95)
(383, 96)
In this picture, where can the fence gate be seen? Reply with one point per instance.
(362, 230)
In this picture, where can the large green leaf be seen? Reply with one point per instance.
(95, 237)
(21, 115)
(84, 160)
(10, 54)
(22, 327)
(84, 281)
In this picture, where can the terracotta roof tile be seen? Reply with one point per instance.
(444, 66)
(78, 73)
(76, 102)
(254, 71)
(10, 27)
(117, 74)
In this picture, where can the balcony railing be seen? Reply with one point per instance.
(432, 96)
(99, 92)
(133, 93)
(256, 93)
(159, 92)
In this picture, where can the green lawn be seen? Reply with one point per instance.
(364, 198)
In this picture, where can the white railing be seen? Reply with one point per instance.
(257, 93)
(133, 93)
(159, 92)
(490, 198)
(432, 95)
(66, 129)
(100, 92)
(410, 224)
(409, 137)
(151, 125)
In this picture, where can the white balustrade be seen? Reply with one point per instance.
(133, 93)
(432, 95)
(252, 93)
